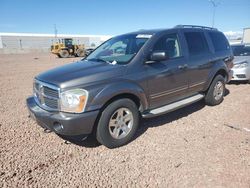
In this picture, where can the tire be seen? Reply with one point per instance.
(111, 130)
(64, 53)
(216, 91)
(80, 53)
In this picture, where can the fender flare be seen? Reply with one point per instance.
(113, 90)
(218, 67)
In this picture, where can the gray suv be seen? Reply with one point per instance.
(141, 74)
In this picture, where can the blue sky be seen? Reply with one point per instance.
(111, 17)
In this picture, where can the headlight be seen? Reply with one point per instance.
(74, 100)
(241, 65)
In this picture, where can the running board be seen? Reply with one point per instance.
(173, 106)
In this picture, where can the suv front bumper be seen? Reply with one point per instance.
(241, 73)
(67, 124)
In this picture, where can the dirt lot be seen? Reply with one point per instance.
(198, 146)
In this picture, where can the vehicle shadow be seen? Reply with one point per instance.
(227, 92)
(233, 82)
(168, 117)
(83, 141)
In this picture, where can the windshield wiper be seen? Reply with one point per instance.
(99, 60)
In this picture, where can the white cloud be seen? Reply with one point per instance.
(233, 34)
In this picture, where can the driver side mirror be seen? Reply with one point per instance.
(157, 56)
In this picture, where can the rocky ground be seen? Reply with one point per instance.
(198, 146)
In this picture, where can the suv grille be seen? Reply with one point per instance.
(241, 75)
(46, 95)
(50, 92)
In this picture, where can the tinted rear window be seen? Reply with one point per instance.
(241, 50)
(196, 42)
(219, 41)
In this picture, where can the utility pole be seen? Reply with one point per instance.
(215, 5)
(55, 30)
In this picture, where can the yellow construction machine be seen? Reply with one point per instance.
(65, 48)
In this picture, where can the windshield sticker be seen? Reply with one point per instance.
(144, 36)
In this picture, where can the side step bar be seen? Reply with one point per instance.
(173, 106)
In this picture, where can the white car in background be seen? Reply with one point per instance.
(241, 69)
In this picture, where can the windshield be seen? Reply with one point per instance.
(68, 42)
(119, 50)
(241, 50)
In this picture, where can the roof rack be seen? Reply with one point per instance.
(195, 26)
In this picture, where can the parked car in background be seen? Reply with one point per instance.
(241, 67)
(141, 74)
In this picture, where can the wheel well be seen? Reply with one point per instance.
(221, 72)
(130, 96)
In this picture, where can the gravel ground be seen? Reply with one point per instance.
(198, 146)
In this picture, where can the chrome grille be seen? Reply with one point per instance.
(50, 92)
(241, 75)
(52, 103)
(46, 95)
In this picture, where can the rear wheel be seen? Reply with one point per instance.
(118, 123)
(64, 53)
(80, 53)
(216, 91)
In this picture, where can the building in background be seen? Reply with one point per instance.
(11, 43)
(246, 35)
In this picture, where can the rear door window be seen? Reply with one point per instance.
(219, 41)
(197, 43)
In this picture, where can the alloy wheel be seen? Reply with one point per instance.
(121, 123)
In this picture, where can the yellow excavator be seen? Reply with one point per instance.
(66, 48)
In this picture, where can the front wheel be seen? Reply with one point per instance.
(118, 123)
(216, 91)
(80, 53)
(64, 53)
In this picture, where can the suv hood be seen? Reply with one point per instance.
(81, 73)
